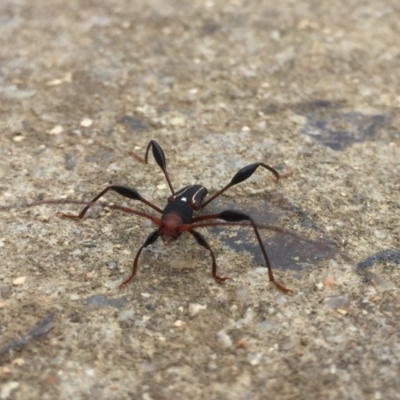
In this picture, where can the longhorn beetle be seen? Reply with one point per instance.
(179, 215)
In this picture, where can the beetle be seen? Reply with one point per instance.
(180, 213)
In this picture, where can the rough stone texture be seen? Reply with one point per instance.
(307, 86)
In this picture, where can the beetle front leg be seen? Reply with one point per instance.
(151, 239)
(202, 242)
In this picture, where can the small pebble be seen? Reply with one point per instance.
(56, 130)
(5, 371)
(335, 302)
(7, 388)
(195, 308)
(55, 82)
(260, 126)
(112, 264)
(58, 81)
(330, 282)
(177, 121)
(224, 339)
(254, 359)
(18, 138)
(19, 281)
(379, 234)
(86, 122)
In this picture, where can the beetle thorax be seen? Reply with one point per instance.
(170, 230)
(174, 216)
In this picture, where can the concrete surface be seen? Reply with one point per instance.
(306, 86)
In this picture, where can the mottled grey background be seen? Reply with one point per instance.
(307, 86)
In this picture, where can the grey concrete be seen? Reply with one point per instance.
(307, 86)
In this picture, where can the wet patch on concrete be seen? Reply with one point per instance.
(329, 124)
(134, 124)
(337, 129)
(40, 329)
(392, 256)
(356, 127)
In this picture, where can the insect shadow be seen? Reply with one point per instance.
(286, 250)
